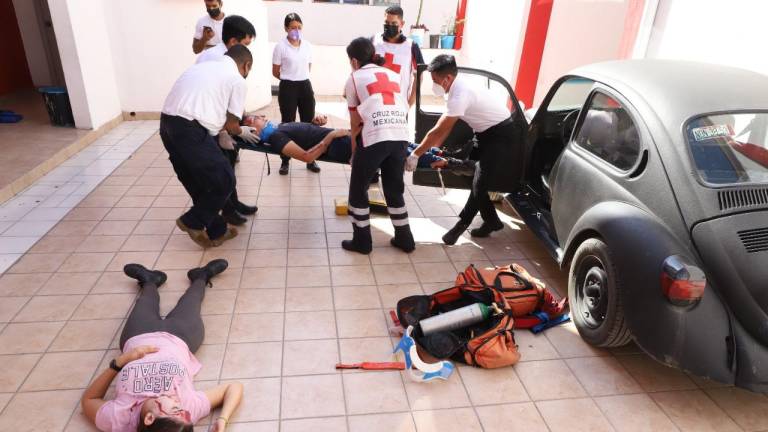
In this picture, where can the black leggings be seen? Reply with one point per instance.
(292, 95)
(184, 321)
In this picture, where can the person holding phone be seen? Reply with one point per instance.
(209, 27)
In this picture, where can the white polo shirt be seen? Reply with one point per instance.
(213, 53)
(206, 92)
(475, 104)
(217, 26)
(293, 61)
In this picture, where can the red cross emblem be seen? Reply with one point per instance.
(384, 86)
(389, 63)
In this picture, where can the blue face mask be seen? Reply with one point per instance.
(269, 129)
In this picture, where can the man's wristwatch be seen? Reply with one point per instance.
(113, 365)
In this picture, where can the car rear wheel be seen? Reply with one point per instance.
(595, 296)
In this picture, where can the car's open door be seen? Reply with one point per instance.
(460, 142)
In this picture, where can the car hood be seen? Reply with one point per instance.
(735, 253)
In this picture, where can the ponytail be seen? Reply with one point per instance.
(378, 60)
(362, 50)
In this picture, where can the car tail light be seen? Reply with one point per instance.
(681, 282)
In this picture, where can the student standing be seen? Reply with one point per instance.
(379, 124)
(291, 63)
(208, 28)
(401, 54)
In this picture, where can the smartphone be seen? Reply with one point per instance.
(207, 28)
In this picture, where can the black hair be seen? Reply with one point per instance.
(362, 50)
(291, 17)
(240, 54)
(165, 424)
(236, 27)
(444, 64)
(395, 10)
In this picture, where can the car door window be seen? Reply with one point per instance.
(608, 132)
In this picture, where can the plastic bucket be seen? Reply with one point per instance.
(446, 41)
(57, 103)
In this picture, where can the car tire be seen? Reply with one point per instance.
(595, 296)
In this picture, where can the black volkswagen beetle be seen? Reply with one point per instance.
(648, 180)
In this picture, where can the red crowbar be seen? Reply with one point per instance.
(373, 366)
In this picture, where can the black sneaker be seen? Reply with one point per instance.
(208, 271)
(284, 168)
(454, 233)
(351, 246)
(486, 229)
(314, 167)
(234, 218)
(245, 209)
(144, 275)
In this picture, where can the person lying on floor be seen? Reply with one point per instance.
(154, 389)
(308, 141)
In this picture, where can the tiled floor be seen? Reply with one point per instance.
(293, 303)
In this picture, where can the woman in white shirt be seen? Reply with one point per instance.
(291, 62)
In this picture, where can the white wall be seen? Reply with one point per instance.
(32, 38)
(712, 31)
(337, 24)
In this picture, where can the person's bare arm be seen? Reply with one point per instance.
(437, 135)
(276, 71)
(232, 125)
(199, 45)
(229, 397)
(412, 91)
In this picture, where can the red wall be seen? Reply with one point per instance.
(14, 72)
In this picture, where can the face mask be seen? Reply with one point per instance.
(438, 90)
(214, 12)
(294, 35)
(267, 131)
(391, 30)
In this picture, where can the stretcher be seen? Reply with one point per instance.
(263, 148)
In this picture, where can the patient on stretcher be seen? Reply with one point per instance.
(309, 141)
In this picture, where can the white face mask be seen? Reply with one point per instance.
(438, 90)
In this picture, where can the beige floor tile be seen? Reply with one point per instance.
(235, 258)
(391, 294)
(429, 253)
(654, 376)
(749, 410)
(216, 328)
(269, 226)
(356, 297)
(560, 415)
(22, 284)
(317, 276)
(73, 228)
(39, 263)
(266, 426)
(104, 306)
(375, 392)
(115, 283)
(88, 211)
(341, 257)
(262, 403)
(566, 340)
(57, 244)
(267, 258)
(181, 260)
(181, 242)
(358, 350)
(70, 283)
(395, 422)
(534, 346)
(146, 259)
(310, 357)
(153, 227)
(437, 394)
(692, 410)
(87, 262)
(308, 299)
(268, 241)
(263, 277)
(24, 413)
(634, 413)
(260, 301)
(19, 338)
(603, 376)
(328, 424)
(312, 396)
(387, 274)
(306, 226)
(452, 420)
(109, 227)
(79, 366)
(230, 279)
(211, 357)
(352, 275)
(436, 272)
(307, 257)
(492, 386)
(263, 327)
(309, 325)
(302, 241)
(15, 370)
(86, 335)
(388, 255)
(361, 323)
(466, 252)
(252, 360)
(49, 308)
(519, 417)
(549, 379)
(10, 306)
(706, 383)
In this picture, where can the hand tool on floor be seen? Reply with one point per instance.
(372, 365)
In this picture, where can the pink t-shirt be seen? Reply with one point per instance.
(167, 372)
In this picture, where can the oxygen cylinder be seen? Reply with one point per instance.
(455, 319)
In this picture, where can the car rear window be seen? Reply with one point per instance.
(730, 148)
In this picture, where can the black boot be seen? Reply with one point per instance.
(361, 241)
(486, 229)
(314, 167)
(245, 209)
(144, 275)
(208, 271)
(454, 233)
(284, 167)
(234, 218)
(403, 239)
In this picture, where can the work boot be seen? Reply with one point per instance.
(234, 218)
(403, 239)
(361, 241)
(486, 229)
(245, 209)
(284, 167)
(197, 236)
(229, 234)
(454, 233)
(208, 271)
(144, 275)
(314, 167)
